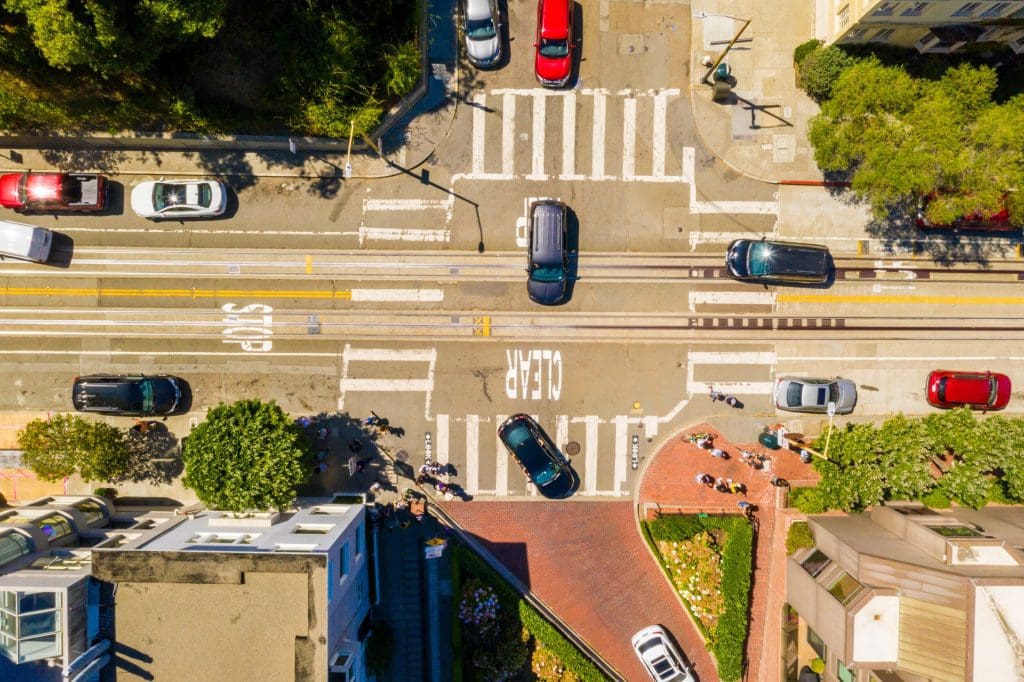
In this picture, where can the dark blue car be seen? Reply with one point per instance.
(537, 456)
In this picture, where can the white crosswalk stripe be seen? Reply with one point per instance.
(379, 217)
(696, 359)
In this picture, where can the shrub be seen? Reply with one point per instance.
(804, 49)
(807, 500)
(820, 70)
(109, 493)
(403, 68)
(936, 499)
(798, 536)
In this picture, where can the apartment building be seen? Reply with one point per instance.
(904, 593)
(929, 25)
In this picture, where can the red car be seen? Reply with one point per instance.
(53, 191)
(554, 42)
(976, 390)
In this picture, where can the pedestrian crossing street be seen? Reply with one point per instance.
(593, 134)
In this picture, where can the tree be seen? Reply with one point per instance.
(245, 456)
(820, 69)
(63, 445)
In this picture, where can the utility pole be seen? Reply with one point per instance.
(728, 47)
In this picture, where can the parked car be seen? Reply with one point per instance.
(53, 192)
(976, 390)
(482, 29)
(1000, 220)
(800, 394)
(548, 263)
(537, 456)
(119, 394)
(179, 198)
(554, 45)
(660, 657)
(26, 242)
(769, 262)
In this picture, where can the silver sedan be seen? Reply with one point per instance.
(800, 394)
(179, 198)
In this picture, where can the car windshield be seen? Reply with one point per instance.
(993, 390)
(833, 392)
(759, 259)
(794, 394)
(145, 392)
(662, 666)
(545, 475)
(547, 273)
(480, 29)
(554, 48)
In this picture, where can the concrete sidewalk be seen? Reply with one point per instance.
(762, 130)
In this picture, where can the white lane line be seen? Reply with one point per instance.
(508, 133)
(697, 238)
(403, 204)
(731, 298)
(472, 454)
(389, 385)
(501, 462)
(479, 121)
(597, 146)
(731, 207)
(660, 113)
(162, 229)
(391, 354)
(537, 166)
(441, 439)
(621, 440)
(402, 234)
(590, 465)
(569, 137)
(392, 295)
(628, 138)
(744, 358)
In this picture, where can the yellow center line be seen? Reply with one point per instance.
(341, 294)
(891, 298)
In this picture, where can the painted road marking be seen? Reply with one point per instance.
(909, 298)
(730, 298)
(597, 141)
(621, 436)
(569, 138)
(533, 374)
(479, 121)
(404, 234)
(501, 462)
(628, 138)
(341, 294)
(698, 238)
(441, 439)
(393, 295)
(508, 132)
(537, 166)
(250, 333)
(590, 447)
(660, 113)
(350, 355)
(403, 204)
(561, 430)
(732, 387)
(721, 207)
(472, 454)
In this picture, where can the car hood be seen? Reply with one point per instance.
(166, 395)
(560, 486)
(142, 198)
(553, 69)
(9, 190)
(486, 50)
(547, 293)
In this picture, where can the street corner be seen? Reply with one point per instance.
(701, 470)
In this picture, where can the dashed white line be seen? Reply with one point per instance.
(403, 234)
(393, 295)
(403, 204)
(731, 298)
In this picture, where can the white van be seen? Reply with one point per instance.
(27, 242)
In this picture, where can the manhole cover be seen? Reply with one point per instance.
(572, 448)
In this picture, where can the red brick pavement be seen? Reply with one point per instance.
(587, 562)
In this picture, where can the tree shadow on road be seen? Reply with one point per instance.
(153, 455)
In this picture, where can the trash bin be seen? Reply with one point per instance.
(769, 440)
(722, 72)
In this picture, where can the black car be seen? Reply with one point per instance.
(549, 260)
(127, 395)
(750, 260)
(537, 456)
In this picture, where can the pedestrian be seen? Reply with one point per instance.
(719, 453)
(715, 395)
(706, 480)
(805, 456)
(731, 401)
(442, 487)
(744, 506)
(424, 469)
(322, 433)
(383, 426)
(737, 487)
(700, 478)
(355, 446)
(376, 487)
(720, 485)
(371, 420)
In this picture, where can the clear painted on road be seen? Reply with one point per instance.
(730, 298)
(533, 374)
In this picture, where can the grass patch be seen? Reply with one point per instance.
(732, 538)
(470, 566)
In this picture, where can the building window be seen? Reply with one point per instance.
(967, 10)
(932, 43)
(13, 546)
(817, 562)
(223, 538)
(360, 540)
(343, 562)
(916, 10)
(30, 624)
(818, 644)
(312, 529)
(883, 35)
(886, 9)
(957, 531)
(844, 16)
(996, 9)
(54, 526)
(854, 35)
(845, 588)
(842, 672)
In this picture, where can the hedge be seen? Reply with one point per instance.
(737, 565)
(798, 536)
(532, 620)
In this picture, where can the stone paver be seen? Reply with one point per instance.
(588, 563)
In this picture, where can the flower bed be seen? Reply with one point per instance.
(709, 560)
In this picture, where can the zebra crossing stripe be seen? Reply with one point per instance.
(569, 138)
(479, 120)
(660, 113)
(501, 461)
(441, 439)
(472, 454)
(628, 138)
(537, 167)
(597, 145)
(621, 436)
(508, 132)
(590, 463)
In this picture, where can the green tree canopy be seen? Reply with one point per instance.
(245, 456)
(64, 445)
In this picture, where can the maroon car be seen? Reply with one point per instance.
(976, 390)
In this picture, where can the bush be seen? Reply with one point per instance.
(807, 500)
(820, 70)
(936, 499)
(109, 493)
(804, 49)
(403, 68)
(798, 536)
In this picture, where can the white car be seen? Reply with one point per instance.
(179, 198)
(482, 28)
(800, 394)
(660, 657)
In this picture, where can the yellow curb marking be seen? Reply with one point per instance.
(309, 265)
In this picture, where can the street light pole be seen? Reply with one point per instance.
(728, 47)
(348, 157)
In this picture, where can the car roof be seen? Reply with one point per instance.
(478, 9)
(968, 387)
(554, 18)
